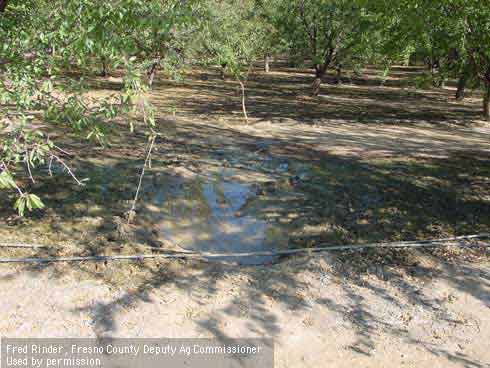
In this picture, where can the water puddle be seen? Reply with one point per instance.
(210, 215)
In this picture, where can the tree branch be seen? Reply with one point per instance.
(311, 33)
(3, 5)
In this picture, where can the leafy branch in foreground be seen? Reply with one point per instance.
(24, 200)
(44, 73)
(26, 142)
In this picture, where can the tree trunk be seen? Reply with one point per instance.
(338, 77)
(434, 71)
(103, 72)
(3, 5)
(486, 101)
(244, 106)
(267, 63)
(412, 60)
(316, 86)
(461, 86)
(463, 79)
(223, 71)
(151, 74)
(317, 83)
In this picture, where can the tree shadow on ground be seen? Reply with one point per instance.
(280, 95)
(343, 200)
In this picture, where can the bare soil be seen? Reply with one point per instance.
(368, 160)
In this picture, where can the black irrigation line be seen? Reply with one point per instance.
(205, 255)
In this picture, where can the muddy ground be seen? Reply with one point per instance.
(369, 160)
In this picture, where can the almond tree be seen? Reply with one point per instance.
(473, 19)
(462, 27)
(41, 41)
(325, 32)
(232, 35)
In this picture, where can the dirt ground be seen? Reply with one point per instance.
(369, 160)
(317, 310)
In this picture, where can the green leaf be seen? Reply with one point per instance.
(20, 205)
(6, 181)
(36, 202)
(29, 201)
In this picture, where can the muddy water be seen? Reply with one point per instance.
(209, 214)
(221, 205)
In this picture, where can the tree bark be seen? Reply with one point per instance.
(244, 106)
(316, 86)
(463, 79)
(434, 68)
(338, 77)
(223, 71)
(151, 74)
(317, 83)
(103, 72)
(486, 101)
(461, 86)
(3, 5)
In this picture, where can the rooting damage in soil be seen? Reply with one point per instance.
(369, 160)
